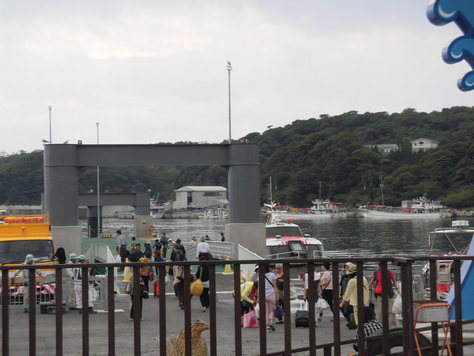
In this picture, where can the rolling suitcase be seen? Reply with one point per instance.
(302, 315)
(301, 318)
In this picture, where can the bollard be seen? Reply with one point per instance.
(227, 269)
(127, 272)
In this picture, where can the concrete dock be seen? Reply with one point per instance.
(150, 328)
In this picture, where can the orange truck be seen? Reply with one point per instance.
(21, 235)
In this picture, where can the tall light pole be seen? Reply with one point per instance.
(98, 189)
(50, 130)
(229, 68)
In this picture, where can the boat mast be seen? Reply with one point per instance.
(270, 190)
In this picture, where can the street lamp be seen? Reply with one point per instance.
(98, 189)
(229, 68)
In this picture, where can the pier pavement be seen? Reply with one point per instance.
(98, 331)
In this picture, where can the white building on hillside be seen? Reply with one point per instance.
(423, 144)
(200, 197)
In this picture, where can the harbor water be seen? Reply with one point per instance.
(344, 237)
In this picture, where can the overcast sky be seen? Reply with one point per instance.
(154, 71)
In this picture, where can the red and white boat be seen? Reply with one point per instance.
(420, 208)
(447, 241)
(286, 240)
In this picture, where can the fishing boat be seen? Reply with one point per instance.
(420, 208)
(447, 241)
(321, 209)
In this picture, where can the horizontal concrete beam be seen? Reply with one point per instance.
(59, 155)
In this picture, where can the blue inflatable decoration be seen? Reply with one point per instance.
(441, 12)
(467, 287)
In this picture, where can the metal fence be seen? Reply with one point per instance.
(46, 293)
(405, 334)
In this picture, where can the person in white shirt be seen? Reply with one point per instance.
(203, 248)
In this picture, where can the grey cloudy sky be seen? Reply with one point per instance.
(154, 71)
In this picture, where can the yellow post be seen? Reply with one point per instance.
(127, 273)
(227, 268)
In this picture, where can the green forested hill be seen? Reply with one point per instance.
(298, 156)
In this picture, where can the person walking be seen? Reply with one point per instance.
(280, 284)
(270, 298)
(157, 258)
(248, 297)
(377, 279)
(202, 273)
(346, 307)
(325, 287)
(71, 298)
(222, 237)
(137, 253)
(60, 255)
(78, 286)
(156, 245)
(146, 272)
(23, 273)
(193, 241)
(121, 243)
(178, 279)
(164, 244)
(140, 292)
(203, 248)
(148, 246)
(180, 247)
(351, 292)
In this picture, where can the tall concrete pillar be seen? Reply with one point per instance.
(61, 195)
(61, 200)
(245, 227)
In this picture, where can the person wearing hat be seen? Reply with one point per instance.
(81, 259)
(71, 298)
(346, 307)
(23, 273)
(351, 291)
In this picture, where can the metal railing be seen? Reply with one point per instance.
(406, 333)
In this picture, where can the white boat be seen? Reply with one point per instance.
(447, 241)
(321, 209)
(420, 208)
(284, 240)
(214, 213)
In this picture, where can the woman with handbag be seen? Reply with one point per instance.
(248, 298)
(202, 273)
(325, 287)
(280, 283)
(178, 279)
(143, 294)
(270, 298)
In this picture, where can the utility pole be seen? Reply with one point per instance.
(229, 68)
(320, 189)
(98, 189)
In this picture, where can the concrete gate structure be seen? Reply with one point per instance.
(61, 187)
(140, 202)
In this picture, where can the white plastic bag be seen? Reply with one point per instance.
(168, 278)
(321, 304)
(397, 305)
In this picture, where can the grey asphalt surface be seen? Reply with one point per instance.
(150, 328)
